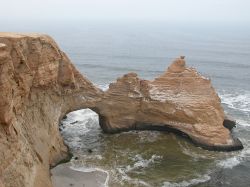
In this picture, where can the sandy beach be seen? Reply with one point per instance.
(63, 176)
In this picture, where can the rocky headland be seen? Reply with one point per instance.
(179, 100)
(39, 85)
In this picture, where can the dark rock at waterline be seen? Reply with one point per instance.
(90, 151)
(74, 122)
(234, 146)
(229, 123)
(64, 117)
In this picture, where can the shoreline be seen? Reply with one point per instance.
(64, 175)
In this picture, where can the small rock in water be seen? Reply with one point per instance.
(76, 158)
(64, 117)
(74, 122)
(90, 150)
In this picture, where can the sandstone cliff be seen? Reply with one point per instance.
(180, 100)
(39, 85)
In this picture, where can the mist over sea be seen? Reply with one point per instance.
(107, 50)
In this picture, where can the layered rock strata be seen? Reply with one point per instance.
(180, 100)
(39, 85)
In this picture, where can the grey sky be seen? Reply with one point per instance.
(225, 11)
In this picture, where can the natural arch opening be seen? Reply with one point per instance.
(76, 126)
(124, 158)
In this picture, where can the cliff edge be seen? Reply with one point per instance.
(38, 85)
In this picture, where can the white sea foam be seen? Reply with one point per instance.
(139, 162)
(125, 177)
(78, 123)
(229, 163)
(103, 87)
(80, 115)
(233, 161)
(238, 158)
(237, 101)
(191, 182)
(142, 163)
(86, 169)
(242, 123)
(90, 156)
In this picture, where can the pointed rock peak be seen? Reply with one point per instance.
(178, 65)
(128, 78)
(132, 74)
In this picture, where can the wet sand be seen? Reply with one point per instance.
(64, 176)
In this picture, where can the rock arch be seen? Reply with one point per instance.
(39, 85)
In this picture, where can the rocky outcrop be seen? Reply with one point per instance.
(180, 100)
(39, 85)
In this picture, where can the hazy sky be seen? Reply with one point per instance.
(219, 11)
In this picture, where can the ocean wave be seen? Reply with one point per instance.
(240, 102)
(139, 163)
(142, 163)
(103, 87)
(200, 179)
(237, 157)
(230, 162)
(194, 154)
(236, 101)
(76, 124)
(87, 170)
(125, 177)
(80, 116)
(242, 123)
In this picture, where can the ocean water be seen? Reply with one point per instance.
(106, 51)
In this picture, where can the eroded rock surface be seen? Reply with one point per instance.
(181, 100)
(39, 85)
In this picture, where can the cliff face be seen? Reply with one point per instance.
(39, 85)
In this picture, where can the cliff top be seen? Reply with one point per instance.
(20, 35)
